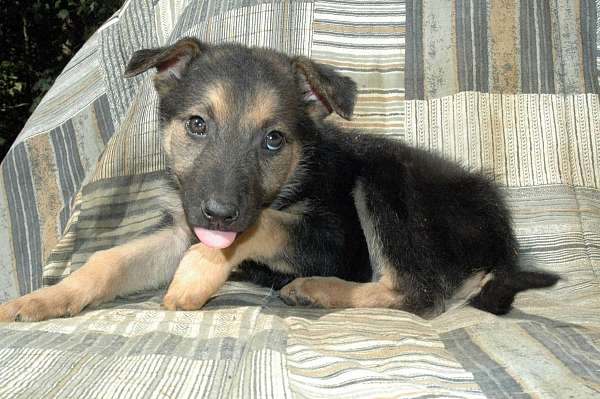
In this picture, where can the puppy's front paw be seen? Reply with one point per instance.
(299, 292)
(43, 304)
(184, 297)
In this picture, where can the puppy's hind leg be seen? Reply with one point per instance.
(385, 291)
(147, 262)
(333, 292)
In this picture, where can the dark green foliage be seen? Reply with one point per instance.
(37, 38)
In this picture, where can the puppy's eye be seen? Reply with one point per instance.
(274, 140)
(196, 126)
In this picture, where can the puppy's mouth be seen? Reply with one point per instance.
(215, 238)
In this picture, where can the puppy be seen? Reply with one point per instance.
(265, 186)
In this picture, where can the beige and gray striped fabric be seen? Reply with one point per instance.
(510, 87)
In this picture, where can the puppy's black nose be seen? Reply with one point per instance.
(217, 211)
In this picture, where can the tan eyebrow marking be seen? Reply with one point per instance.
(261, 106)
(216, 94)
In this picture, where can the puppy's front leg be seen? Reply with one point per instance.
(144, 263)
(201, 272)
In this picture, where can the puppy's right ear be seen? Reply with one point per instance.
(324, 90)
(170, 62)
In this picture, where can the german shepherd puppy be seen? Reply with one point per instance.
(269, 188)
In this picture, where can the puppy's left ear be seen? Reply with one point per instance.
(324, 90)
(171, 62)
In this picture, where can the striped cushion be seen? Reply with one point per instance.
(508, 86)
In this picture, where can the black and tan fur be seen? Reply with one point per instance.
(334, 218)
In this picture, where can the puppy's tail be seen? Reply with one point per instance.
(498, 294)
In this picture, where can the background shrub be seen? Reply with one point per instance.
(37, 38)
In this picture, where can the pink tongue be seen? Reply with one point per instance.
(215, 238)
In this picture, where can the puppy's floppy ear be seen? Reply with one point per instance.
(171, 62)
(323, 89)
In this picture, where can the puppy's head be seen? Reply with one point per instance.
(235, 123)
